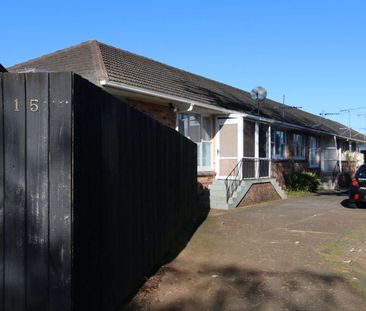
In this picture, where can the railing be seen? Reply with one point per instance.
(246, 168)
(233, 180)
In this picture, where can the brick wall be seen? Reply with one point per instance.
(204, 179)
(163, 114)
(281, 168)
(260, 192)
(285, 167)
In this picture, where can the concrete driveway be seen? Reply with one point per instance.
(304, 253)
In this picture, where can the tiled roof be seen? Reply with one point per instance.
(83, 59)
(97, 61)
(2, 69)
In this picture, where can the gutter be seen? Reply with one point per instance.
(192, 103)
(139, 90)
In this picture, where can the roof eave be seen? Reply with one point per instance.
(192, 103)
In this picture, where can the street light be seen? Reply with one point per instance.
(258, 94)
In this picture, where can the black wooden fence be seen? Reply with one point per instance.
(93, 194)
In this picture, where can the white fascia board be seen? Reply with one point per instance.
(139, 90)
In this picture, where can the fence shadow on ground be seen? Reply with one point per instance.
(198, 217)
(220, 288)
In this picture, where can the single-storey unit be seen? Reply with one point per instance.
(244, 149)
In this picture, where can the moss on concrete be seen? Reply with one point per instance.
(347, 256)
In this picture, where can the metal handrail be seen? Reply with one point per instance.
(246, 168)
(233, 180)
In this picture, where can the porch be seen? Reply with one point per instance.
(243, 162)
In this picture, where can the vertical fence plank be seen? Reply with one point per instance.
(37, 190)
(87, 214)
(14, 143)
(60, 168)
(1, 197)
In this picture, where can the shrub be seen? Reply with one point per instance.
(305, 181)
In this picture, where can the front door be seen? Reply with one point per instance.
(228, 145)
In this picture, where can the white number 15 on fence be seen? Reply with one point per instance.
(33, 105)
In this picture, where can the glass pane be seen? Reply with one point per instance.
(263, 141)
(313, 154)
(206, 128)
(299, 146)
(183, 124)
(206, 154)
(278, 144)
(248, 168)
(199, 153)
(194, 130)
(249, 138)
(361, 172)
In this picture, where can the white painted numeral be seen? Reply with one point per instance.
(16, 105)
(34, 105)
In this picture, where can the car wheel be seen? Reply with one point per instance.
(352, 205)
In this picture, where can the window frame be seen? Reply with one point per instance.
(302, 156)
(202, 141)
(317, 158)
(273, 145)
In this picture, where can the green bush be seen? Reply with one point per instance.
(305, 181)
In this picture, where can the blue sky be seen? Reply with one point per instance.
(311, 51)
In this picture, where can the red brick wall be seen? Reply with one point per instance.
(204, 179)
(163, 114)
(285, 167)
(260, 192)
(282, 168)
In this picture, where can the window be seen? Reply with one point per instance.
(361, 172)
(198, 129)
(313, 152)
(299, 146)
(278, 143)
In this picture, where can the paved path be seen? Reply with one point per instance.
(298, 254)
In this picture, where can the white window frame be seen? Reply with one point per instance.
(303, 148)
(200, 167)
(273, 145)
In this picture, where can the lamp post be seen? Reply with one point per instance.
(258, 95)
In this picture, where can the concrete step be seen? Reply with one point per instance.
(218, 192)
(217, 201)
(219, 205)
(217, 187)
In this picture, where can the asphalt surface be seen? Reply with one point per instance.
(304, 253)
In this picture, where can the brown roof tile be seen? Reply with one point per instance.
(97, 61)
